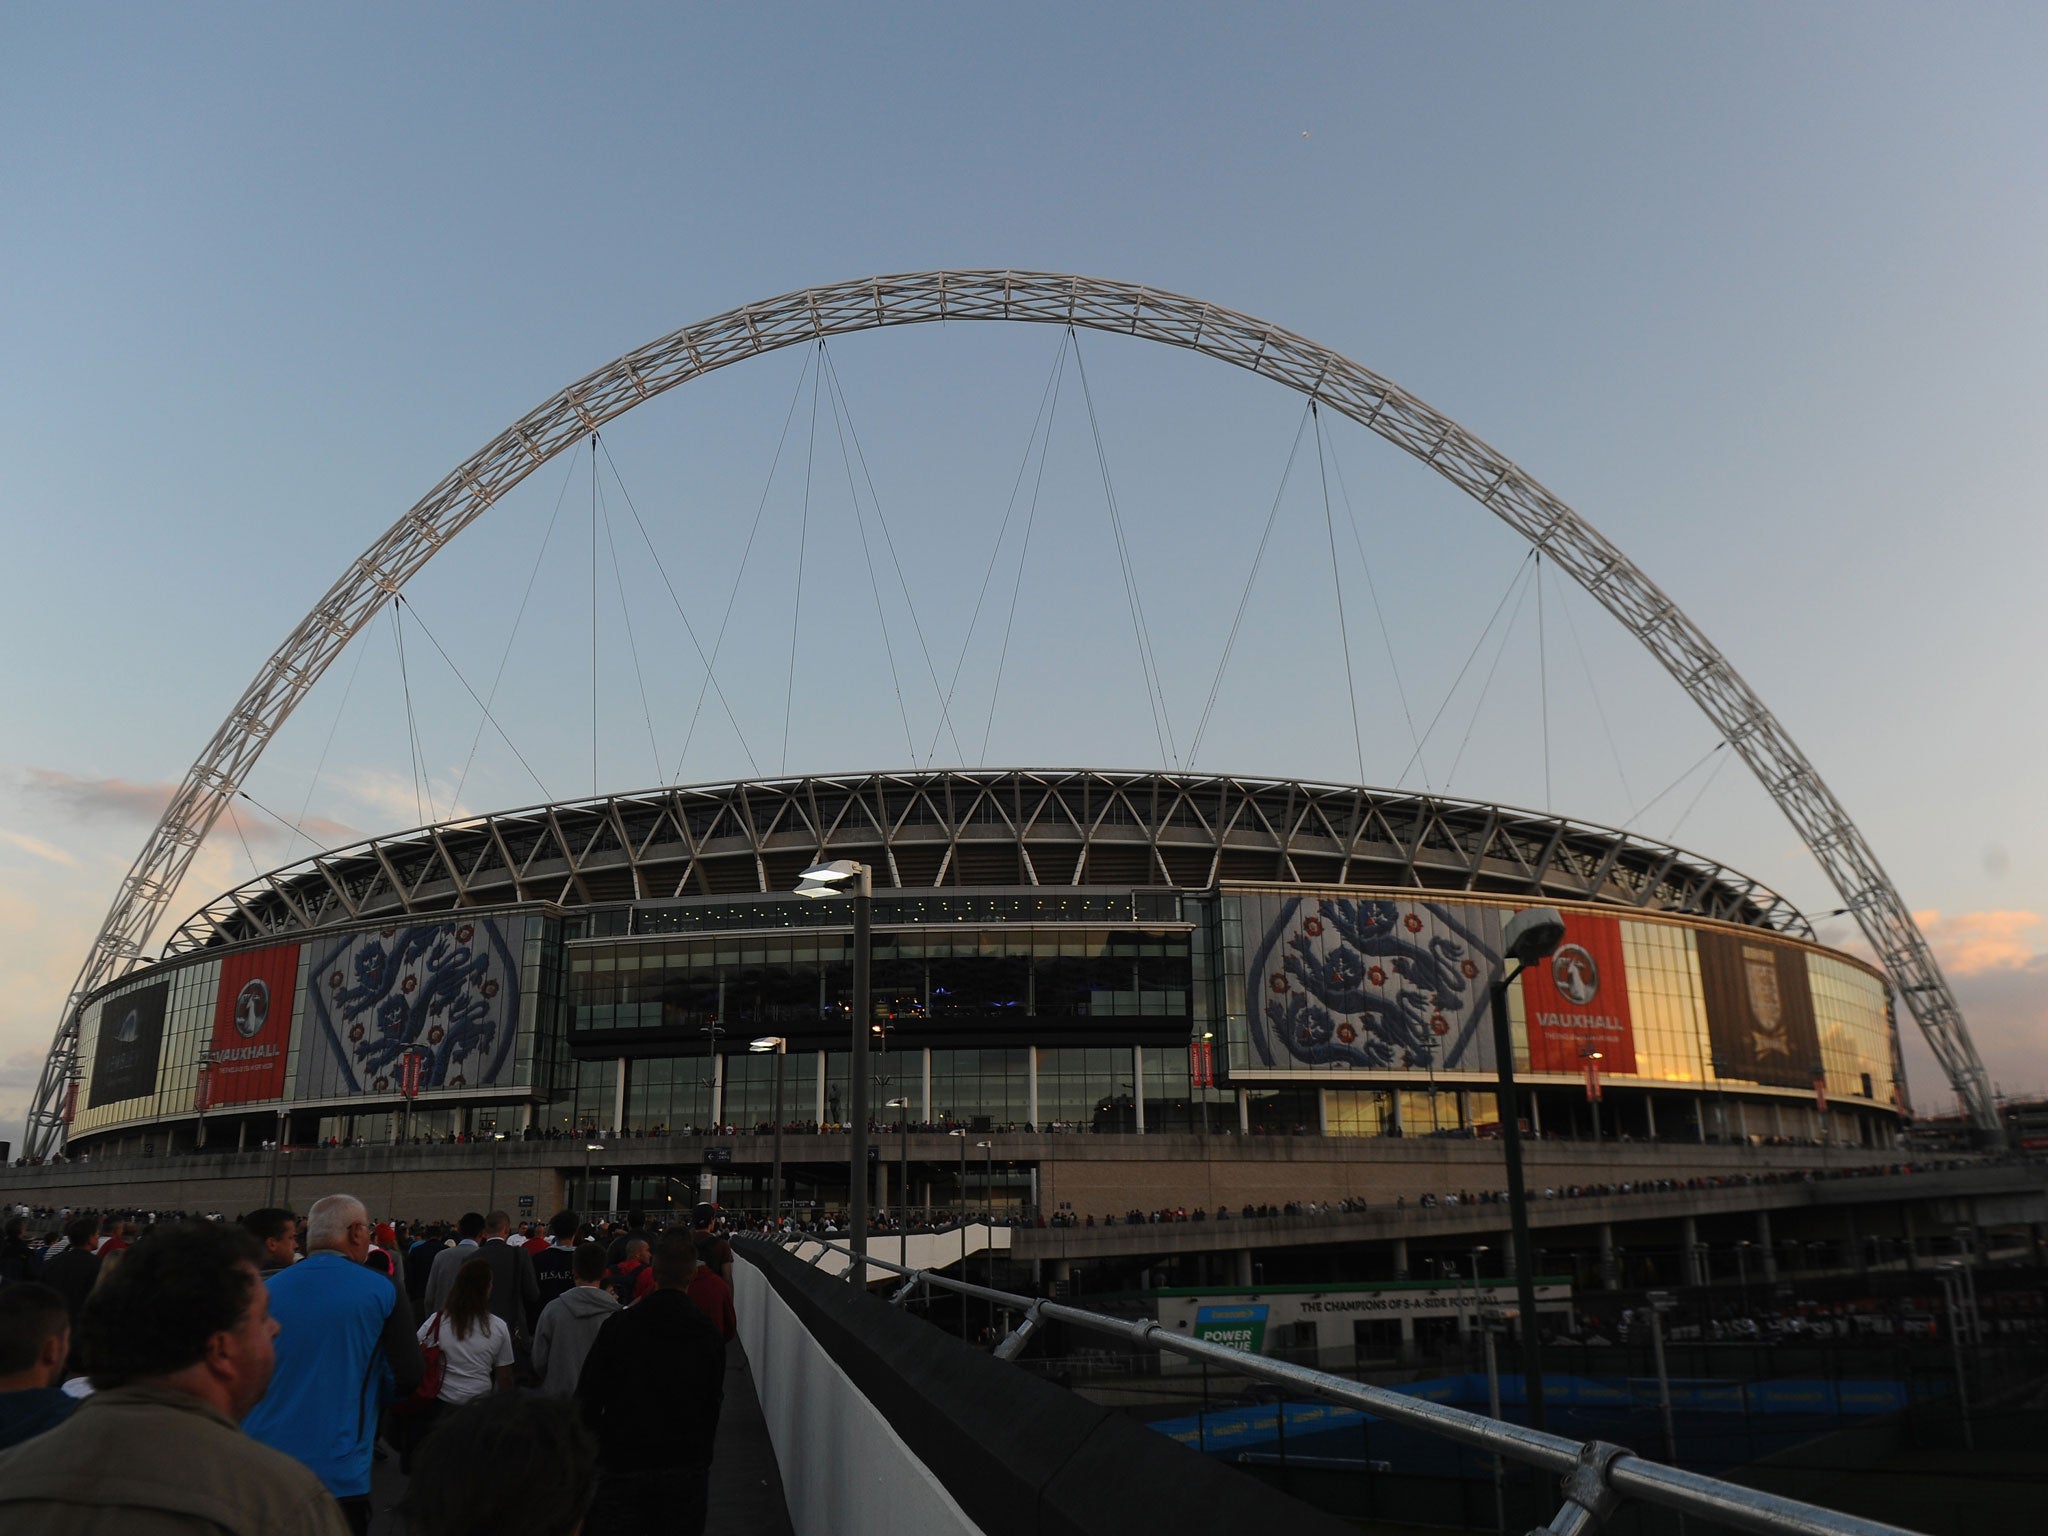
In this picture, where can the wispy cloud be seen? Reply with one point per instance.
(1973, 943)
(100, 799)
(39, 848)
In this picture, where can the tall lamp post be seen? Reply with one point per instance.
(589, 1205)
(1592, 1059)
(780, 1046)
(902, 1108)
(1532, 937)
(988, 1200)
(491, 1202)
(844, 877)
(201, 1099)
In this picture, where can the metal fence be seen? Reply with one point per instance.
(1597, 1476)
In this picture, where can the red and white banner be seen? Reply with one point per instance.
(411, 1070)
(1576, 1004)
(1202, 1063)
(252, 1026)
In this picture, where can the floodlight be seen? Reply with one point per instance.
(1533, 935)
(768, 1043)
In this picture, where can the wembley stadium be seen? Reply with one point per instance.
(1074, 950)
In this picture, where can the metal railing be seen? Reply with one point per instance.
(1596, 1475)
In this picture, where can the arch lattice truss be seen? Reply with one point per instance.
(1127, 309)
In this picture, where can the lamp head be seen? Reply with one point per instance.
(1533, 935)
(827, 879)
(768, 1043)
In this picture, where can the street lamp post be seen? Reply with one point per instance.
(205, 1093)
(1592, 1059)
(1532, 936)
(960, 1218)
(988, 1200)
(780, 1046)
(902, 1108)
(491, 1203)
(839, 878)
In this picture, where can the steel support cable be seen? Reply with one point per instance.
(1379, 610)
(732, 597)
(412, 730)
(1514, 580)
(710, 682)
(483, 479)
(1023, 556)
(889, 542)
(505, 656)
(596, 782)
(328, 746)
(503, 736)
(839, 429)
(1705, 784)
(1479, 705)
(796, 607)
(1688, 773)
(1543, 682)
(1599, 708)
(1048, 393)
(1148, 660)
(1337, 582)
(632, 641)
(1244, 598)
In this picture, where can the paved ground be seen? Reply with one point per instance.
(746, 1483)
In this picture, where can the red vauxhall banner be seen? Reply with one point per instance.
(1576, 1003)
(409, 1072)
(252, 1026)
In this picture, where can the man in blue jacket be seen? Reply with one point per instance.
(347, 1344)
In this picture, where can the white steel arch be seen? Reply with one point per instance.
(1041, 298)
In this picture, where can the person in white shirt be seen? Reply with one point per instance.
(476, 1345)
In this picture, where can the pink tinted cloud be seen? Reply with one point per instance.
(95, 799)
(123, 800)
(1974, 943)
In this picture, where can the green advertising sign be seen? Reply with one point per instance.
(1233, 1327)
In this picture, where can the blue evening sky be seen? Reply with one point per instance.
(1756, 289)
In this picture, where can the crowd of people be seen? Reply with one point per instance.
(195, 1373)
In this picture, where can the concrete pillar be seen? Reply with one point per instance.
(1138, 1085)
(818, 1112)
(1909, 1237)
(1401, 1258)
(925, 1086)
(1650, 1114)
(1699, 1123)
(1610, 1263)
(1244, 1112)
(717, 1088)
(1535, 1113)
(1394, 1116)
(1764, 1245)
(1777, 1119)
(1242, 1268)
(1322, 1111)
(1030, 1057)
(1742, 1120)
(1407, 1337)
(1689, 1240)
(242, 1137)
(619, 1098)
(1464, 1110)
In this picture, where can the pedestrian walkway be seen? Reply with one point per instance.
(746, 1482)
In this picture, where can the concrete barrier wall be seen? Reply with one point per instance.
(884, 1423)
(845, 1472)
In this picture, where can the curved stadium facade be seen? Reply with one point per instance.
(1077, 949)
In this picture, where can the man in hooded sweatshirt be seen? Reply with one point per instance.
(568, 1324)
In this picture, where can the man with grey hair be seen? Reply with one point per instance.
(347, 1343)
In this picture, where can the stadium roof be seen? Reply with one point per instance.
(982, 828)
